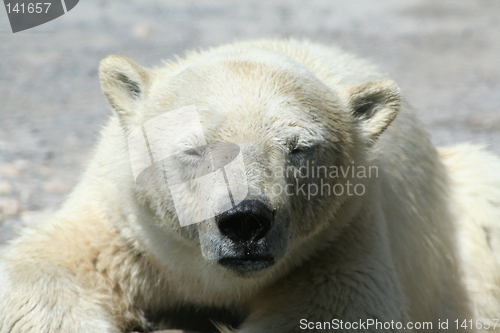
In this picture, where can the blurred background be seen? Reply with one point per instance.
(444, 54)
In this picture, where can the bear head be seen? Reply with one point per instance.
(243, 153)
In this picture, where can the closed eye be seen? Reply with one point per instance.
(299, 148)
(300, 151)
(193, 151)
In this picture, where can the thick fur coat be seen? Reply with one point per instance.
(416, 241)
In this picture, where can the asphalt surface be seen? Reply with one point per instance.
(444, 54)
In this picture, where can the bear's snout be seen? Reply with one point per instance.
(247, 222)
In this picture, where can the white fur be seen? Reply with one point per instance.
(422, 244)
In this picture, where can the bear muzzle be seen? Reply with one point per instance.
(245, 226)
(247, 222)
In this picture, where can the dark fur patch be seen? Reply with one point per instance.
(364, 109)
(131, 85)
(198, 319)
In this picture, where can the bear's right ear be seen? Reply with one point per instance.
(123, 82)
(375, 105)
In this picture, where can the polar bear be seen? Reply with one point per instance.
(263, 186)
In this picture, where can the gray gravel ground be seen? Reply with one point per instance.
(444, 54)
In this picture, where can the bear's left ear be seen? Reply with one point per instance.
(124, 83)
(375, 105)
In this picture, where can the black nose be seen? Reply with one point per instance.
(247, 222)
